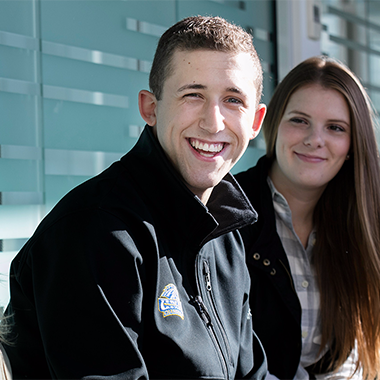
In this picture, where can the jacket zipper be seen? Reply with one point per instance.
(201, 308)
(211, 299)
(204, 314)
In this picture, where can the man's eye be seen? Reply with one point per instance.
(234, 100)
(192, 95)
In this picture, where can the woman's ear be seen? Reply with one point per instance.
(147, 107)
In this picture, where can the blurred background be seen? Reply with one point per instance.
(71, 70)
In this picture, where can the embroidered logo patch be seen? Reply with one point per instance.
(169, 302)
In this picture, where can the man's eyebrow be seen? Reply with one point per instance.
(193, 86)
(235, 90)
(197, 86)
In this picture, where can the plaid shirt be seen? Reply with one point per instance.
(307, 290)
(304, 281)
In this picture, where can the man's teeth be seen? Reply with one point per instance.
(215, 148)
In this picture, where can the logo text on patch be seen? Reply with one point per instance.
(169, 302)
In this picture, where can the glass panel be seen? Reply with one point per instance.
(78, 23)
(17, 63)
(18, 119)
(92, 77)
(20, 175)
(70, 162)
(15, 16)
(70, 125)
(18, 221)
(248, 159)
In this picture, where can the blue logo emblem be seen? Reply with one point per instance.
(169, 302)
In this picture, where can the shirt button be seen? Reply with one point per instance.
(305, 284)
(256, 256)
(304, 334)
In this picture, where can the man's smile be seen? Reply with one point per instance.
(206, 149)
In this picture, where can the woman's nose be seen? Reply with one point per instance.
(314, 137)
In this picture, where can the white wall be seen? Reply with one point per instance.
(297, 33)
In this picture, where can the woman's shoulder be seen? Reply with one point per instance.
(253, 179)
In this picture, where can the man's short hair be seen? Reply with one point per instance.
(204, 33)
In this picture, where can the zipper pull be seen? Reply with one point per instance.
(206, 269)
(202, 311)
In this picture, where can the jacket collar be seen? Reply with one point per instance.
(227, 209)
(255, 185)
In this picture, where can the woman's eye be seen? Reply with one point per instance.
(337, 128)
(297, 120)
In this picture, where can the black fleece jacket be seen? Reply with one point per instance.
(130, 276)
(276, 310)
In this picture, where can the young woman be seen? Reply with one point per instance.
(314, 254)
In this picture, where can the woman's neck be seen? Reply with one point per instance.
(302, 202)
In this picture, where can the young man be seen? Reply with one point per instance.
(140, 272)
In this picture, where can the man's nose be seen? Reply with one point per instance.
(212, 119)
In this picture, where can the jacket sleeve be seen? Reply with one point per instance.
(77, 300)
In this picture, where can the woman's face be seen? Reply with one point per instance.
(313, 140)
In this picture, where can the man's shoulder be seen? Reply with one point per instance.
(109, 192)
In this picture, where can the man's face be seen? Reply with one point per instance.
(206, 116)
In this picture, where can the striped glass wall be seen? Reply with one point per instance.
(70, 73)
(351, 33)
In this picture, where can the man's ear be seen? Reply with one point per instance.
(259, 117)
(147, 107)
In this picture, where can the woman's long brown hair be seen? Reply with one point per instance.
(347, 220)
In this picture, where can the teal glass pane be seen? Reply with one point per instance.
(264, 50)
(77, 74)
(210, 8)
(70, 125)
(16, 16)
(374, 62)
(18, 119)
(18, 222)
(17, 63)
(373, 12)
(268, 87)
(251, 13)
(101, 25)
(248, 159)
(20, 175)
(261, 14)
